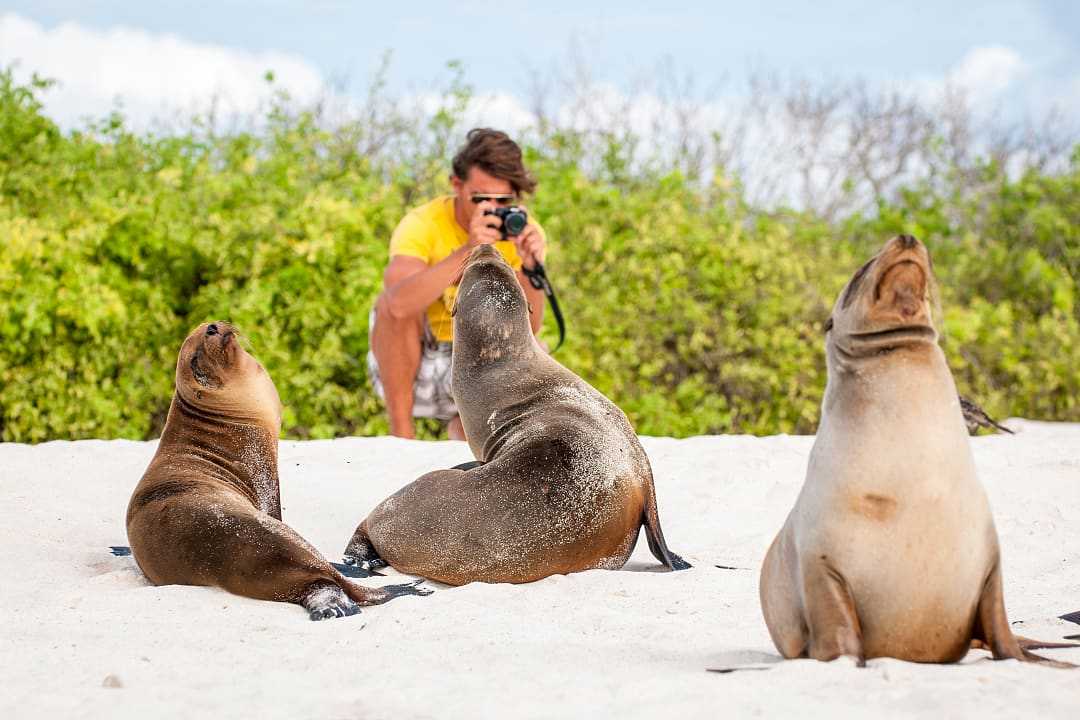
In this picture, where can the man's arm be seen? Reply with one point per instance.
(411, 285)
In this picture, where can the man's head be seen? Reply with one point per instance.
(489, 164)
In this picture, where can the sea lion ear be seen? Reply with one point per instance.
(828, 324)
(529, 305)
(453, 309)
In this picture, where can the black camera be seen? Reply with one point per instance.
(514, 220)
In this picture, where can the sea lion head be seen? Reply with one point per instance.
(216, 375)
(491, 313)
(887, 303)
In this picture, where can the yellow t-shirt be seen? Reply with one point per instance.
(430, 233)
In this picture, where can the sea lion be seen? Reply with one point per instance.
(207, 511)
(561, 483)
(891, 548)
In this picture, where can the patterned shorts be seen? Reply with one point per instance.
(432, 396)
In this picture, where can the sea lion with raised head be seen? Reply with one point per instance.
(207, 511)
(891, 548)
(561, 483)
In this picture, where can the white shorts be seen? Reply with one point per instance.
(432, 395)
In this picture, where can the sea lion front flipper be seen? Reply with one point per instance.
(120, 550)
(830, 610)
(992, 626)
(361, 553)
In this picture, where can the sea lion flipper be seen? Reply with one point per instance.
(468, 465)
(356, 569)
(326, 600)
(834, 623)
(361, 553)
(1027, 643)
(992, 627)
(650, 520)
(388, 592)
(120, 550)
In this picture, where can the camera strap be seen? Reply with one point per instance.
(538, 279)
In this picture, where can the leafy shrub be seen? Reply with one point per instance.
(691, 310)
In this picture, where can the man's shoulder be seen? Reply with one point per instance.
(430, 213)
(419, 230)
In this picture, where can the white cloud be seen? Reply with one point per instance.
(984, 73)
(152, 75)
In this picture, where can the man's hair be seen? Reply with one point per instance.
(497, 155)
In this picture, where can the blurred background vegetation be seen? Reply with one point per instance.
(695, 295)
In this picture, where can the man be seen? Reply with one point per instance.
(412, 330)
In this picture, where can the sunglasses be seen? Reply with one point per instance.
(498, 198)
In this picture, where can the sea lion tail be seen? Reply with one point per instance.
(650, 518)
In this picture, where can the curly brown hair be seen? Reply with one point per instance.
(496, 154)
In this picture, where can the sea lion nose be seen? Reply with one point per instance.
(907, 242)
(212, 329)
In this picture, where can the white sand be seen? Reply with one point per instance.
(635, 643)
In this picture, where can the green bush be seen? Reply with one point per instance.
(692, 311)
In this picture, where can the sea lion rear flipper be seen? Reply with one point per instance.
(1027, 643)
(650, 519)
(355, 570)
(378, 596)
(468, 465)
(992, 627)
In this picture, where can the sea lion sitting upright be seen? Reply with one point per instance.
(208, 509)
(890, 549)
(562, 485)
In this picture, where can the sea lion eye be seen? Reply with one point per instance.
(828, 324)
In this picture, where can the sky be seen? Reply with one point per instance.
(157, 57)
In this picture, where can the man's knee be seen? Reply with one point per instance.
(397, 329)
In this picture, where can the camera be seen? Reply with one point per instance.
(514, 220)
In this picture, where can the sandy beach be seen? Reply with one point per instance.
(85, 635)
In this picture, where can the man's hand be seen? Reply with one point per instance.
(531, 246)
(484, 229)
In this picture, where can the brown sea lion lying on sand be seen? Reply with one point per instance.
(562, 483)
(208, 509)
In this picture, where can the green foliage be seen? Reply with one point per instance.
(692, 311)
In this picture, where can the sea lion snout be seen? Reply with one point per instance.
(904, 280)
(902, 288)
(484, 254)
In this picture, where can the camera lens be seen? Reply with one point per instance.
(515, 221)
